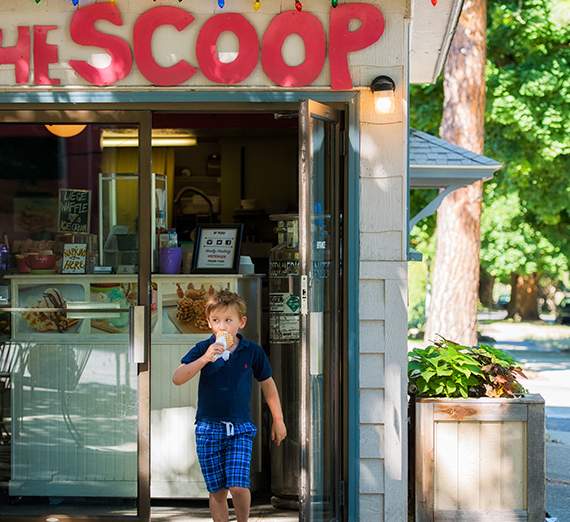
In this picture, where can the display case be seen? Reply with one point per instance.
(118, 217)
(75, 394)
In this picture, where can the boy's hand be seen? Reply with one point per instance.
(213, 350)
(278, 432)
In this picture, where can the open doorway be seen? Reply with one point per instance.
(244, 168)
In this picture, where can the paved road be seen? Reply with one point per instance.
(549, 375)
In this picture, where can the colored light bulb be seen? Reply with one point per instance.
(334, 3)
(37, 1)
(75, 2)
(298, 6)
(256, 5)
(434, 2)
(113, 2)
(221, 3)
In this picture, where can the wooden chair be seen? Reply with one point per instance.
(9, 353)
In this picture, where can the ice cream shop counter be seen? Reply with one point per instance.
(74, 393)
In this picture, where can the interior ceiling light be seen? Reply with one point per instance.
(383, 88)
(65, 131)
(160, 138)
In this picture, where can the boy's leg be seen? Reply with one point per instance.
(241, 498)
(219, 506)
(238, 463)
(210, 447)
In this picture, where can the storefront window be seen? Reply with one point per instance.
(69, 410)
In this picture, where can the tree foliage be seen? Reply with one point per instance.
(509, 244)
(527, 129)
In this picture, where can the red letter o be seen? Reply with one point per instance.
(309, 28)
(243, 65)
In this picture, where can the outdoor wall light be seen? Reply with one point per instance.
(383, 88)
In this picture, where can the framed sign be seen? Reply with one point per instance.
(74, 211)
(217, 249)
(73, 260)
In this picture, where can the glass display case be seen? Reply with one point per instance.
(118, 218)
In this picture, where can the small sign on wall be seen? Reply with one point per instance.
(73, 260)
(74, 211)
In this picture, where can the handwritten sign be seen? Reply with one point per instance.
(74, 211)
(74, 256)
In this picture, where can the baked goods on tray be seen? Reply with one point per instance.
(190, 307)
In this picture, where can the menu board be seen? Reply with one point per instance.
(74, 211)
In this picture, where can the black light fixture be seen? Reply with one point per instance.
(383, 88)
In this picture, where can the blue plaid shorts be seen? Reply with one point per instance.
(224, 452)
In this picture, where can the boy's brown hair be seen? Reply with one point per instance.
(223, 299)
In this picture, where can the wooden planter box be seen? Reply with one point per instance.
(479, 459)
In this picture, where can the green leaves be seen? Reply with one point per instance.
(446, 369)
(527, 129)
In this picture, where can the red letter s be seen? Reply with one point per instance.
(342, 41)
(83, 32)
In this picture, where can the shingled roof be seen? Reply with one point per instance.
(436, 163)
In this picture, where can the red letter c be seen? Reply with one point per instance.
(144, 28)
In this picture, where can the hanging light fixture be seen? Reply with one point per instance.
(383, 88)
(65, 131)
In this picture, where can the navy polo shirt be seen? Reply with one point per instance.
(224, 390)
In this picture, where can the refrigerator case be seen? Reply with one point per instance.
(118, 217)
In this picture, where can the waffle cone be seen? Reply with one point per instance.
(228, 336)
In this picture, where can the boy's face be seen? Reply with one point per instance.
(226, 319)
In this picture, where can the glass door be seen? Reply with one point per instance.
(72, 375)
(319, 247)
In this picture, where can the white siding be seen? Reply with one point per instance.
(383, 485)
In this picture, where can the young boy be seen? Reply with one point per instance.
(224, 428)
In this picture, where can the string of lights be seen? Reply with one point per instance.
(256, 4)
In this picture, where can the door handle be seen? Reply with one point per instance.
(137, 334)
(88, 310)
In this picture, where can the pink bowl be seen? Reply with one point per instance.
(40, 261)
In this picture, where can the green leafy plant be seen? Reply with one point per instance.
(447, 369)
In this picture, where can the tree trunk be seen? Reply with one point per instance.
(453, 310)
(524, 297)
(486, 283)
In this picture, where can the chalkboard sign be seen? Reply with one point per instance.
(74, 211)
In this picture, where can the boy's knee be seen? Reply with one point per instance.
(238, 491)
(220, 495)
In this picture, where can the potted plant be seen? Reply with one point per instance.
(479, 437)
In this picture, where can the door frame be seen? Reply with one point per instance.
(109, 107)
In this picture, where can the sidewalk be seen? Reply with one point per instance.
(548, 372)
